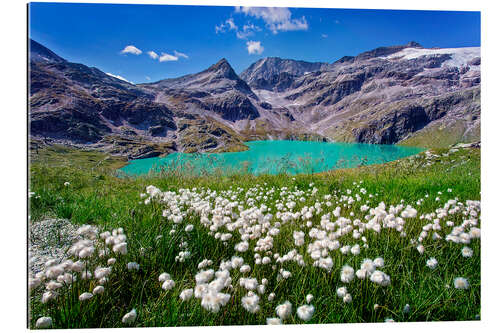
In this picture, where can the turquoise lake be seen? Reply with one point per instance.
(274, 157)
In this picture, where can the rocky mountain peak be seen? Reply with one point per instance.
(223, 68)
(39, 53)
(414, 44)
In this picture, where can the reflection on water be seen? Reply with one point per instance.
(273, 157)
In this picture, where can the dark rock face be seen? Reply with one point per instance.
(276, 73)
(233, 106)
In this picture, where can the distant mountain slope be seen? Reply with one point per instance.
(406, 94)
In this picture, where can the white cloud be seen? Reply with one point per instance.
(248, 30)
(148, 78)
(254, 47)
(119, 77)
(153, 54)
(324, 35)
(168, 57)
(131, 49)
(181, 55)
(277, 19)
(228, 25)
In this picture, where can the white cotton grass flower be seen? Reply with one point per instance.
(186, 294)
(432, 263)
(467, 252)
(379, 262)
(347, 298)
(461, 283)
(129, 317)
(43, 322)
(273, 321)
(189, 228)
(284, 310)
(53, 285)
(341, 292)
(101, 272)
(305, 312)
(111, 261)
(66, 184)
(168, 285)
(34, 283)
(309, 298)
(48, 296)
(133, 265)
(120, 248)
(245, 268)
(164, 277)
(85, 296)
(271, 297)
(347, 274)
(355, 250)
(204, 276)
(380, 278)
(98, 290)
(251, 302)
(406, 309)
(420, 249)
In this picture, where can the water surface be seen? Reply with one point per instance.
(274, 157)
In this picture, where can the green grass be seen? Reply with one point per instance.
(96, 196)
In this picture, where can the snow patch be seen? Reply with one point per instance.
(459, 56)
(119, 77)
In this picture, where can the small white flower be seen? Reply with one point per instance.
(406, 309)
(85, 297)
(66, 183)
(347, 298)
(133, 265)
(164, 277)
(467, 252)
(273, 321)
(43, 322)
(379, 262)
(251, 302)
(432, 263)
(347, 274)
(341, 292)
(98, 290)
(461, 283)
(186, 294)
(305, 312)
(168, 284)
(309, 298)
(284, 310)
(189, 228)
(380, 278)
(245, 269)
(129, 317)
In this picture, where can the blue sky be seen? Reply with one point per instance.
(118, 39)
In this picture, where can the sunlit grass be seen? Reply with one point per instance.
(96, 196)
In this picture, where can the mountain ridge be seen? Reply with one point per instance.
(217, 109)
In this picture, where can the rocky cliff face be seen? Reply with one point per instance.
(397, 94)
